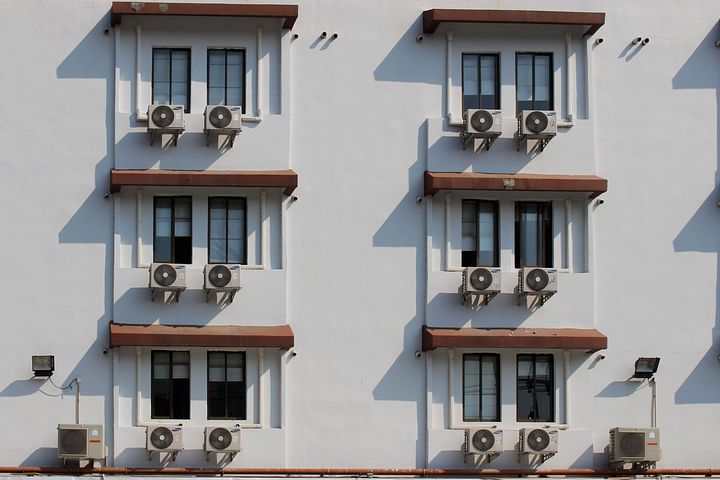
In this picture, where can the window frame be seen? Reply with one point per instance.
(551, 82)
(551, 390)
(497, 77)
(171, 401)
(498, 390)
(244, 385)
(244, 71)
(545, 251)
(245, 237)
(172, 227)
(189, 76)
(496, 232)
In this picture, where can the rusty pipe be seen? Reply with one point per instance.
(414, 472)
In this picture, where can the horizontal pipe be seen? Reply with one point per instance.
(415, 472)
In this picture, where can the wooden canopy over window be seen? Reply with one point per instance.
(288, 12)
(433, 18)
(543, 338)
(286, 179)
(122, 335)
(436, 181)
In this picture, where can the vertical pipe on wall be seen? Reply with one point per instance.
(448, 81)
(451, 388)
(428, 405)
(261, 392)
(569, 78)
(566, 397)
(138, 228)
(77, 400)
(263, 229)
(139, 114)
(653, 404)
(568, 235)
(116, 405)
(258, 73)
(448, 212)
(138, 394)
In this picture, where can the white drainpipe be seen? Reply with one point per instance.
(569, 235)
(569, 83)
(138, 230)
(140, 113)
(453, 122)
(258, 81)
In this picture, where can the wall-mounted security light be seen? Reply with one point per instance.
(43, 365)
(646, 367)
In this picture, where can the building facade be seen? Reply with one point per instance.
(356, 199)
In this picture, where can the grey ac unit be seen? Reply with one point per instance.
(167, 277)
(164, 438)
(537, 123)
(483, 441)
(81, 442)
(223, 119)
(483, 123)
(166, 118)
(537, 281)
(222, 440)
(634, 445)
(481, 280)
(222, 278)
(539, 441)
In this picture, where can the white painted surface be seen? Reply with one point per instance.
(360, 119)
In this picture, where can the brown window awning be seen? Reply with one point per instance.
(545, 338)
(436, 181)
(286, 179)
(123, 335)
(433, 18)
(288, 12)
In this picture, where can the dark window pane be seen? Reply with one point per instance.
(170, 385)
(488, 76)
(469, 233)
(171, 75)
(487, 234)
(534, 83)
(227, 231)
(181, 398)
(226, 77)
(535, 388)
(226, 385)
(481, 387)
(533, 234)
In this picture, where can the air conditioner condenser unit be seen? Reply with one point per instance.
(166, 120)
(539, 441)
(484, 441)
(223, 120)
(222, 278)
(167, 277)
(164, 438)
(81, 442)
(483, 124)
(222, 440)
(634, 445)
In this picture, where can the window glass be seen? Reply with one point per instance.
(488, 76)
(487, 233)
(170, 385)
(173, 230)
(226, 77)
(171, 76)
(481, 387)
(226, 385)
(480, 81)
(535, 388)
(534, 81)
(533, 234)
(479, 233)
(227, 230)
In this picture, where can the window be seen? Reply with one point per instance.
(171, 76)
(226, 77)
(480, 233)
(226, 385)
(481, 81)
(170, 389)
(535, 388)
(481, 387)
(533, 234)
(172, 239)
(227, 238)
(534, 88)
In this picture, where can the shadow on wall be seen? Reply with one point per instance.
(702, 232)
(401, 63)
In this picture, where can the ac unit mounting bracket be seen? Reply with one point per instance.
(489, 457)
(230, 297)
(173, 455)
(230, 140)
(475, 299)
(174, 134)
(467, 139)
(176, 293)
(543, 297)
(543, 139)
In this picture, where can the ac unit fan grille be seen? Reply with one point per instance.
(537, 279)
(165, 275)
(220, 117)
(219, 276)
(161, 438)
(631, 444)
(220, 438)
(163, 116)
(483, 440)
(481, 278)
(536, 122)
(538, 440)
(73, 442)
(481, 120)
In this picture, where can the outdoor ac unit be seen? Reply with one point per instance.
(222, 440)
(164, 438)
(222, 277)
(481, 280)
(81, 442)
(484, 441)
(166, 118)
(167, 276)
(538, 281)
(483, 123)
(538, 123)
(538, 440)
(222, 119)
(634, 445)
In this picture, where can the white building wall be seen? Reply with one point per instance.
(360, 118)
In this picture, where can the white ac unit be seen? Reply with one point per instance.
(483, 123)
(164, 438)
(481, 280)
(81, 442)
(484, 441)
(634, 445)
(223, 119)
(166, 118)
(538, 440)
(167, 276)
(222, 277)
(538, 281)
(222, 440)
(537, 123)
